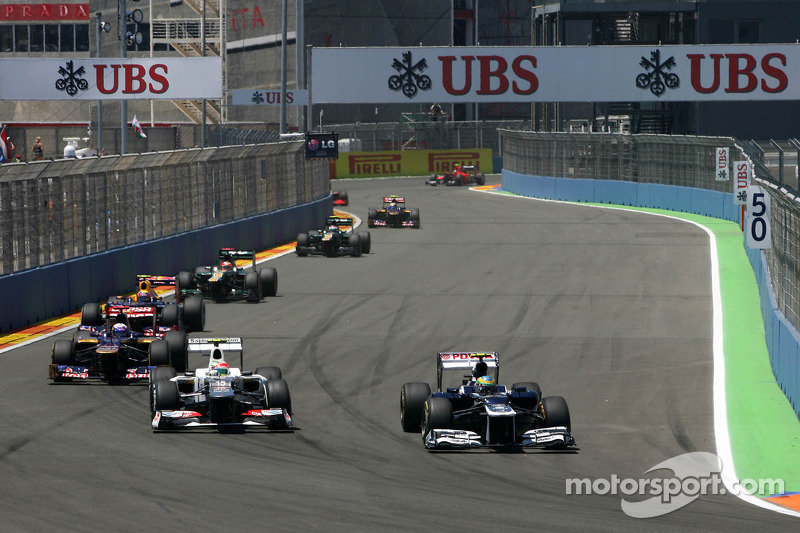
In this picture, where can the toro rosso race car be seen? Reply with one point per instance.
(227, 281)
(340, 197)
(470, 410)
(461, 175)
(393, 214)
(219, 395)
(337, 238)
(115, 353)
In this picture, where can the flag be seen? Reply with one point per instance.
(138, 128)
(3, 146)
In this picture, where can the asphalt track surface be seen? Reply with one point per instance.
(610, 309)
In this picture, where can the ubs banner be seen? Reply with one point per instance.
(410, 162)
(556, 74)
(111, 78)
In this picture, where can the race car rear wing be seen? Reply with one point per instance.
(464, 361)
(339, 221)
(155, 281)
(231, 347)
(233, 254)
(388, 199)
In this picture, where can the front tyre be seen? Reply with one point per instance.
(412, 402)
(437, 413)
(269, 281)
(194, 313)
(277, 393)
(555, 412)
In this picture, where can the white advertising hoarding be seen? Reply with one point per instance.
(556, 74)
(168, 78)
(723, 161)
(758, 231)
(742, 171)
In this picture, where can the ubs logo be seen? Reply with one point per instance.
(410, 78)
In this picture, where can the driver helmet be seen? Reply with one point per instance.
(486, 383)
(226, 265)
(222, 368)
(333, 227)
(142, 296)
(120, 329)
(456, 167)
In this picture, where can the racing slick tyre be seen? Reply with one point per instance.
(269, 281)
(480, 179)
(184, 281)
(162, 373)
(277, 394)
(528, 403)
(365, 240)
(302, 241)
(355, 245)
(194, 313)
(166, 396)
(170, 316)
(415, 217)
(252, 282)
(412, 401)
(372, 214)
(269, 372)
(437, 413)
(158, 353)
(63, 352)
(178, 350)
(555, 412)
(91, 315)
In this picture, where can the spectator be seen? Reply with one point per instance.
(436, 112)
(38, 149)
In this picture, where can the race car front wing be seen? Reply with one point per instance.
(276, 418)
(554, 437)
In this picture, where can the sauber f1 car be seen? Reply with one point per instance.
(337, 238)
(219, 395)
(393, 214)
(227, 281)
(340, 197)
(477, 412)
(461, 175)
(116, 354)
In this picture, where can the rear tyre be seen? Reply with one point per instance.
(171, 316)
(412, 401)
(366, 241)
(158, 353)
(63, 352)
(269, 372)
(556, 412)
(252, 282)
(277, 392)
(194, 313)
(269, 281)
(185, 281)
(302, 241)
(91, 315)
(436, 414)
(355, 244)
(480, 179)
(372, 214)
(178, 351)
(343, 197)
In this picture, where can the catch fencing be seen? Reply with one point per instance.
(52, 211)
(668, 160)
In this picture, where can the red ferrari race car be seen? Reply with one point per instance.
(339, 197)
(461, 175)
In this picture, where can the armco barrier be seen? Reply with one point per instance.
(36, 294)
(783, 340)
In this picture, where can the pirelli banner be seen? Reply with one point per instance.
(409, 162)
(555, 74)
(170, 78)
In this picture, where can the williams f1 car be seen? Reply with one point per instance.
(461, 175)
(393, 214)
(478, 412)
(337, 238)
(219, 395)
(227, 281)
